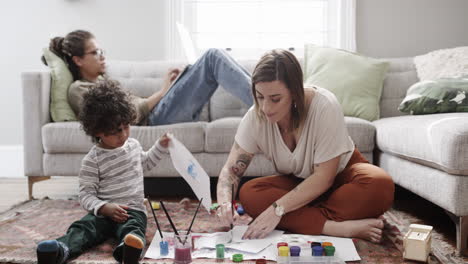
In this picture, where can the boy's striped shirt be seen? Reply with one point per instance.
(116, 175)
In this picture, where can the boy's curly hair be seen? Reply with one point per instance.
(105, 108)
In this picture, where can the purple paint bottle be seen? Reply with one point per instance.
(294, 251)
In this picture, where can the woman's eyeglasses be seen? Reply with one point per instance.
(98, 53)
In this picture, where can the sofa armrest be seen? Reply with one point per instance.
(36, 99)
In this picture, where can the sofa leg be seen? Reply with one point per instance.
(461, 223)
(32, 180)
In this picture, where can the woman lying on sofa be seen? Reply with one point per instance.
(174, 103)
(326, 186)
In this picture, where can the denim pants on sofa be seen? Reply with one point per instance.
(186, 98)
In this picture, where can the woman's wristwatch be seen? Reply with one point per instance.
(279, 210)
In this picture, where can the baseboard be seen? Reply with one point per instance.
(11, 161)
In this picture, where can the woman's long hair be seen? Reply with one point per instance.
(73, 44)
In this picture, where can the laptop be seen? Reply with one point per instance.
(188, 48)
(187, 43)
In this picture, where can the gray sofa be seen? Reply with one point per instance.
(427, 154)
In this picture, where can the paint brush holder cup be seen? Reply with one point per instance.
(182, 248)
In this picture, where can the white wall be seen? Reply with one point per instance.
(126, 29)
(404, 28)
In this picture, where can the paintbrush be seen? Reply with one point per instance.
(155, 219)
(193, 220)
(170, 221)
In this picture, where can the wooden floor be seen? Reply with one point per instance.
(15, 190)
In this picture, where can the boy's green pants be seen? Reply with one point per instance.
(90, 231)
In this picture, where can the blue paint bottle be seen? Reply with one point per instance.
(163, 248)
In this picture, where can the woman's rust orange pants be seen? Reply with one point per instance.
(360, 191)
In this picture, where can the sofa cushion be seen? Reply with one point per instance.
(400, 76)
(143, 78)
(362, 132)
(355, 80)
(443, 63)
(438, 140)
(68, 137)
(68, 164)
(224, 104)
(446, 95)
(220, 134)
(60, 109)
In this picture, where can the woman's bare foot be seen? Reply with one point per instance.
(369, 229)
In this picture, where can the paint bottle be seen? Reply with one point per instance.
(283, 255)
(315, 244)
(163, 248)
(326, 244)
(329, 250)
(295, 251)
(237, 257)
(317, 251)
(240, 210)
(220, 252)
(281, 244)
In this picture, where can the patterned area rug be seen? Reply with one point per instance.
(23, 226)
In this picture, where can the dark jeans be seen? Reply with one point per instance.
(90, 231)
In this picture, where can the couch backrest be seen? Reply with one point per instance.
(144, 78)
(400, 76)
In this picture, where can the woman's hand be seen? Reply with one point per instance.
(164, 141)
(171, 75)
(156, 97)
(116, 212)
(226, 215)
(262, 225)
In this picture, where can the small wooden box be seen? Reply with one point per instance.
(417, 242)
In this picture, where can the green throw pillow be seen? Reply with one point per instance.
(355, 80)
(438, 96)
(62, 78)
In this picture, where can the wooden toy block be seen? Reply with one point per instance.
(417, 242)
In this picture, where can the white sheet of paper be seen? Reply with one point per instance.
(268, 253)
(345, 249)
(253, 246)
(189, 168)
(153, 251)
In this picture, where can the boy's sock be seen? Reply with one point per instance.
(133, 246)
(51, 252)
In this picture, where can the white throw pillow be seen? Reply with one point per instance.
(444, 63)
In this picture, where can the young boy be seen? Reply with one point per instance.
(111, 181)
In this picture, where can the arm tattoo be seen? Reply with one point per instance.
(241, 165)
(226, 186)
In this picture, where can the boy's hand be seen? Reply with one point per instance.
(164, 141)
(116, 212)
